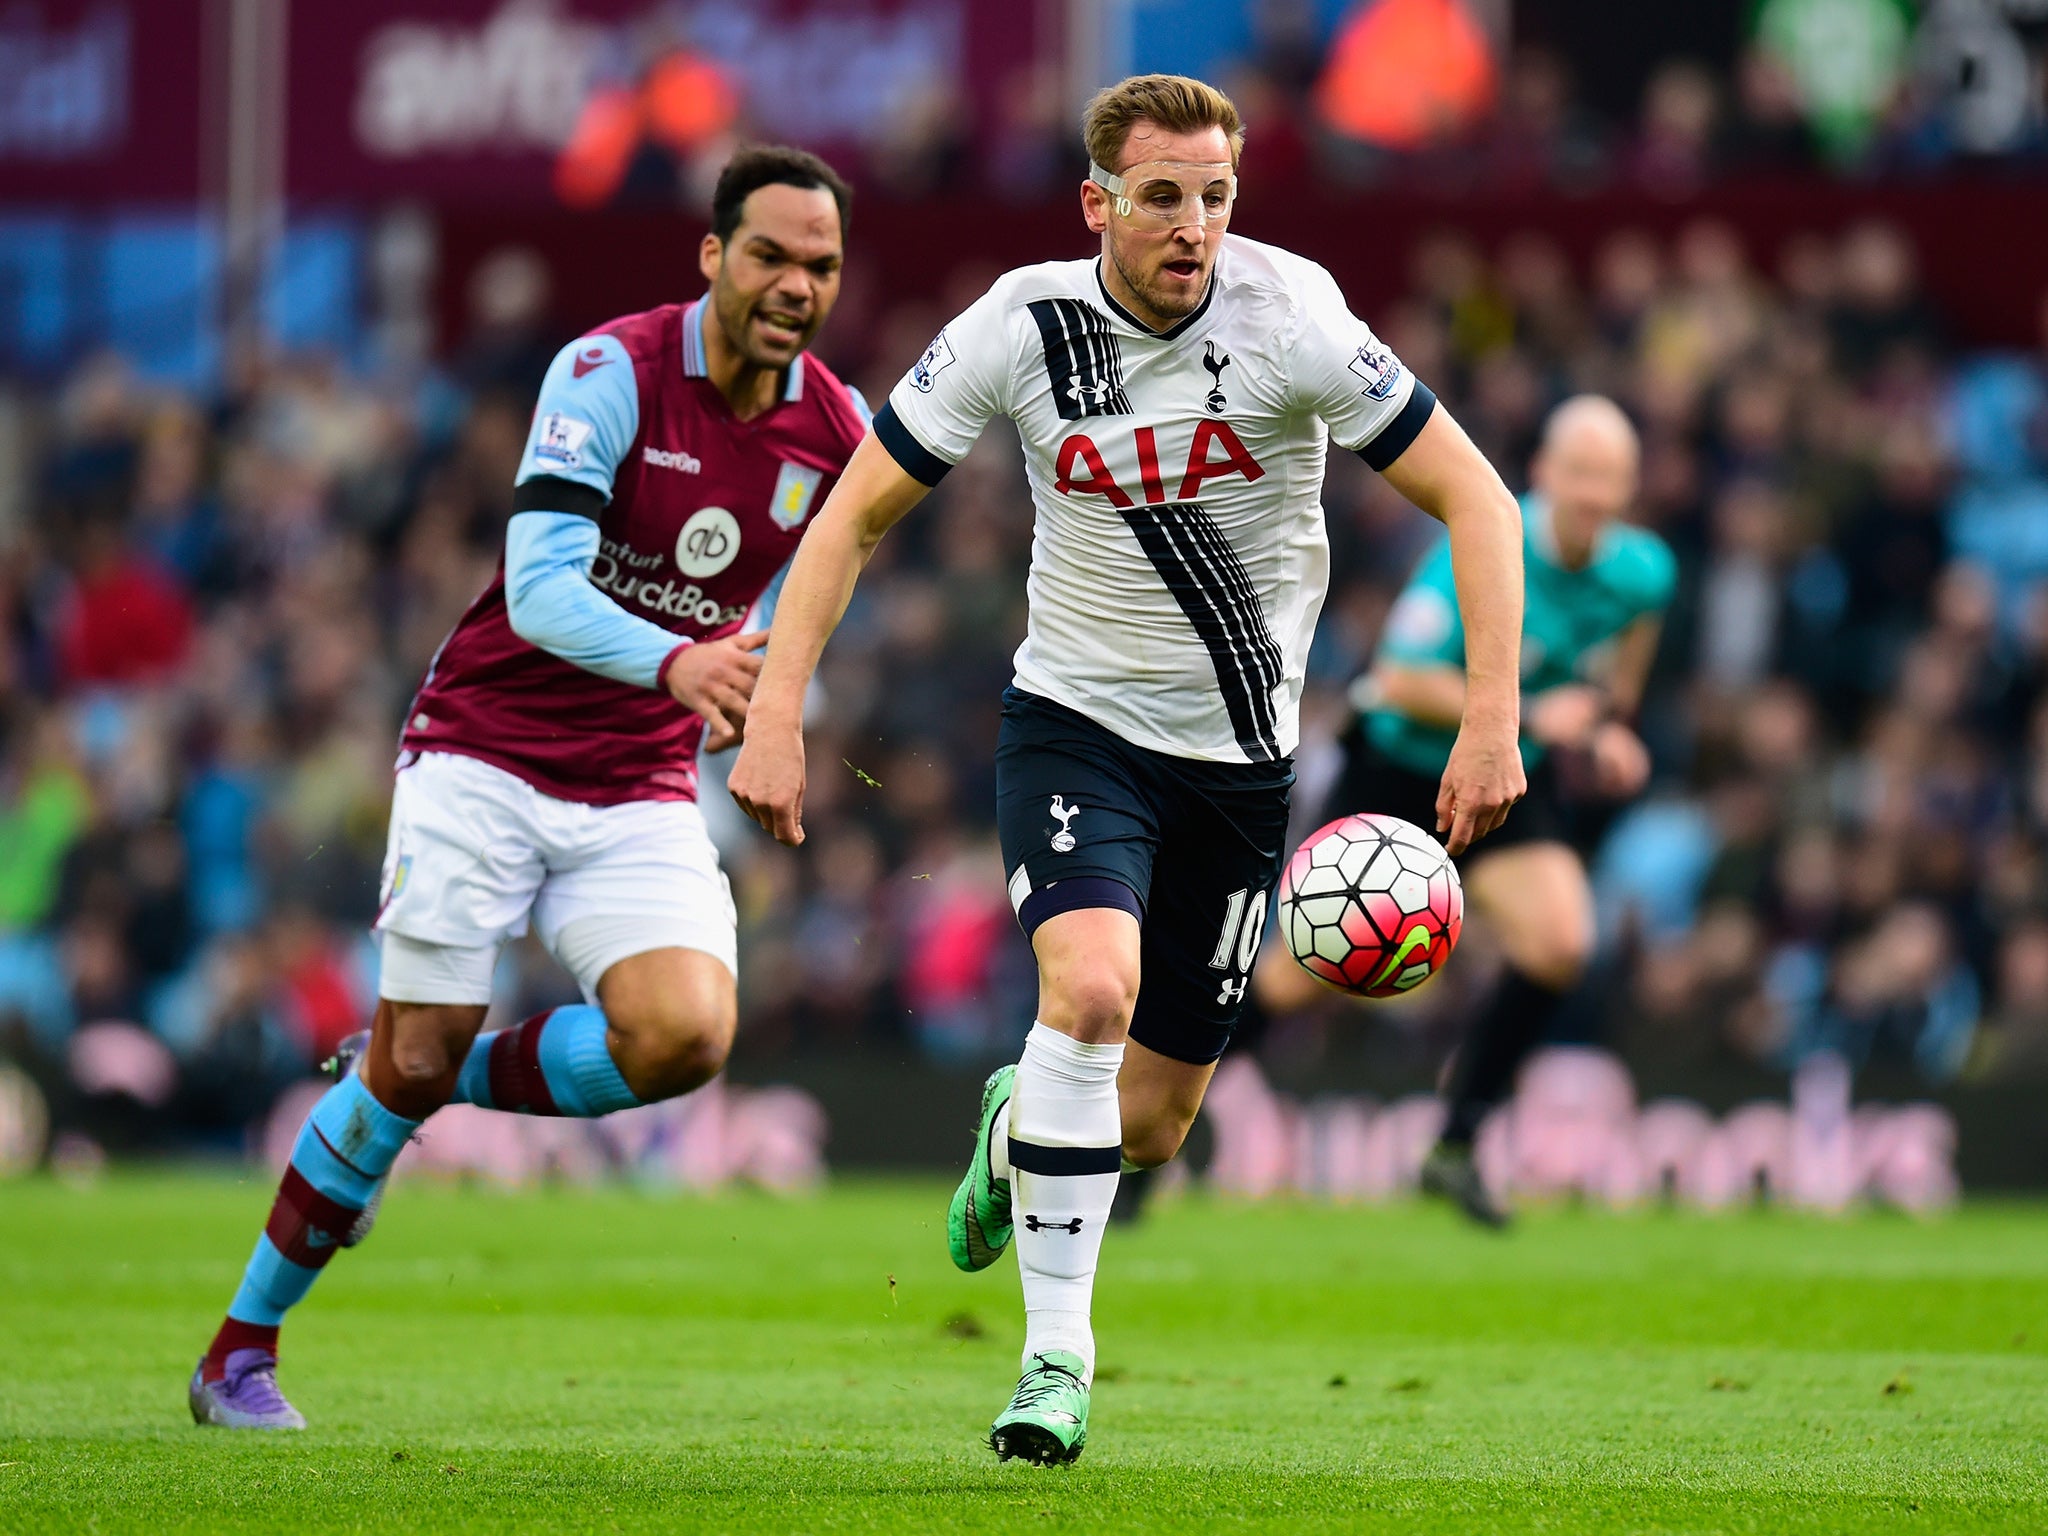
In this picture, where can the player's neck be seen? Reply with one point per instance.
(1567, 553)
(1135, 307)
(749, 388)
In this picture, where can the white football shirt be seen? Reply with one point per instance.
(1179, 558)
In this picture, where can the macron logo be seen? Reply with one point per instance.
(662, 458)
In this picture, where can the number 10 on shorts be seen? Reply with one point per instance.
(1237, 946)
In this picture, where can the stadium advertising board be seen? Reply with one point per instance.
(81, 118)
(474, 100)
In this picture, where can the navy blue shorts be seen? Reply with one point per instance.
(1191, 849)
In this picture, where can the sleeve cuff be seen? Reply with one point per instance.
(661, 672)
(916, 460)
(1392, 440)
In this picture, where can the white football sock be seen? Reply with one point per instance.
(1065, 1146)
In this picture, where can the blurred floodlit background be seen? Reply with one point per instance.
(278, 282)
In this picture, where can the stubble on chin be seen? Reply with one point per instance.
(1171, 304)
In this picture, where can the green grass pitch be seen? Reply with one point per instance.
(619, 1361)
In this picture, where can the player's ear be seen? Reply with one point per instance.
(1094, 207)
(711, 257)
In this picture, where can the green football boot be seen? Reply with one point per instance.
(978, 1225)
(1047, 1421)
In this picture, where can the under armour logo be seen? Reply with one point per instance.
(1215, 365)
(1071, 1228)
(1063, 840)
(1089, 391)
(1232, 992)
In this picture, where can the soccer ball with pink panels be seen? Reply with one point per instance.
(1371, 905)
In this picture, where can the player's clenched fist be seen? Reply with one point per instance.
(767, 781)
(715, 679)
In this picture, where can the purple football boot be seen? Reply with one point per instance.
(246, 1397)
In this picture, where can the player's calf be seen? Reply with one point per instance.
(664, 1028)
(673, 1013)
(1153, 1144)
(1159, 1097)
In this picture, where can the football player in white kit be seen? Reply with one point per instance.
(1175, 397)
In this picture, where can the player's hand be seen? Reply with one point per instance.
(1566, 716)
(767, 781)
(715, 679)
(1621, 763)
(1482, 780)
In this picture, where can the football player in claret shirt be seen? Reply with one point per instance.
(547, 771)
(1176, 397)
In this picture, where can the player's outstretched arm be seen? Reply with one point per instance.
(1445, 475)
(767, 778)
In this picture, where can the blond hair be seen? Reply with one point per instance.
(1177, 103)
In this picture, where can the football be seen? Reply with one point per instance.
(1371, 905)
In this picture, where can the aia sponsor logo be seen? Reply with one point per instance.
(1215, 451)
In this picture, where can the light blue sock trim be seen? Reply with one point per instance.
(473, 1082)
(271, 1285)
(581, 1075)
(356, 1143)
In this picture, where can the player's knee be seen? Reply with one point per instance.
(423, 1050)
(1561, 958)
(1091, 1002)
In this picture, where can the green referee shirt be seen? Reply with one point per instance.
(1568, 617)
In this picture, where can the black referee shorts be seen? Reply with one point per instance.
(1371, 781)
(1191, 849)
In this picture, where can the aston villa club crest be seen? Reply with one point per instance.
(794, 489)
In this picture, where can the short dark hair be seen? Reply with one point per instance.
(772, 165)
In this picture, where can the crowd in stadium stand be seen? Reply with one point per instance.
(215, 610)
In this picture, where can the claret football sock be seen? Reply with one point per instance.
(1065, 1146)
(344, 1149)
(1512, 1024)
(555, 1063)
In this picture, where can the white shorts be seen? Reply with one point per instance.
(475, 853)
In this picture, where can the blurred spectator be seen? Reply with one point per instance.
(1541, 136)
(1681, 111)
(510, 341)
(1766, 131)
(1408, 74)
(46, 809)
(648, 140)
